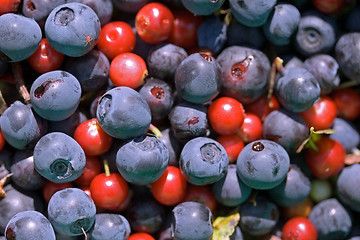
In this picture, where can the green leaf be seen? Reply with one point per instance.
(225, 226)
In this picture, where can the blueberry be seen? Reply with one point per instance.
(241, 35)
(263, 164)
(347, 55)
(163, 60)
(346, 133)
(347, 186)
(286, 128)
(91, 70)
(244, 73)
(212, 34)
(59, 158)
(293, 190)
(191, 220)
(197, 78)
(252, 13)
(203, 161)
(55, 95)
(282, 23)
(297, 89)
(123, 113)
(21, 127)
(30, 225)
(143, 159)
(202, 7)
(72, 29)
(19, 37)
(173, 145)
(230, 190)
(110, 226)
(331, 220)
(39, 9)
(71, 211)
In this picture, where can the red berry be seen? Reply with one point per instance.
(93, 140)
(226, 115)
(347, 102)
(154, 22)
(2, 141)
(128, 69)
(45, 58)
(108, 192)
(115, 38)
(322, 113)
(170, 188)
(140, 236)
(251, 129)
(8, 6)
(233, 145)
(261, 107)
(299, 228)
(184, 33)
(328, 160)
(328, 6)
(92, 168)
(50, 188)
(202, 194)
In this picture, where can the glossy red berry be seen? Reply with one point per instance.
(184, 33)
(251, 129)
(321, 114)
(140, 236)
(50, 188)
(93, 140)
(328, 6)
(328, 160)
(108, 192)
(299, 228)
(93, 167)
(226, 115)
(115, 38)
(2, 141)
(129, 70)
(347, 102)
(8, 6)
(154, 22)
(202, 194)
(233, 145)
(170, 188)
(45, 58)
(261, 107)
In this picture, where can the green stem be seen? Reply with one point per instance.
(155, 131)
(106, 167)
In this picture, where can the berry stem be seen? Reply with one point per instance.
(155, 131)
(3, 105)
(85, 235)
(277, 65)
(106, 168)
(2, 183)
(19, 79)
(314, 136)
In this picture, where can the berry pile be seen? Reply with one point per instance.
(179, 119)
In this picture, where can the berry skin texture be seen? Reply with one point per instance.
(299, 228)
(328, 160)
(154, 22)
(93, 140)
(170, 188)
(129, 70)
(226, 115)
(108, 192)
(115, 38)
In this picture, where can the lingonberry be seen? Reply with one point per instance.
(262, 106)
(45, 58)
(251, 129)
(226, 115)
(129, 70)
(347, 102)
(93, 167)
(7, 6)
(93, 140)
(140, 236)
(299, 228)
(202, 194)
(170, 188)
(233, 145)
(115, 38)
(50, 188)
(154, 22)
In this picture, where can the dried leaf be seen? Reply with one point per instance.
(225, 226)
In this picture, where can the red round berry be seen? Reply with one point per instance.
(2, 141)
(170, 188)
(251, 129)
(202, 194)
(115, 38)
(154, 22)
(8, 6)
(50, 188)
(140, 236)
(299, 228)
(328, 6)
(226, 115)
(45, 58)
(233, 145)
(347, 102)
(108, 192)
(261, 107)
(92, 168)
(128, 69)
(93, 140)
(328, 160)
